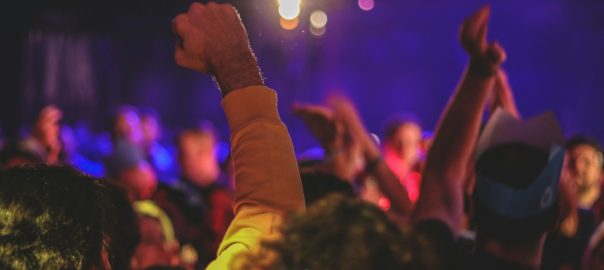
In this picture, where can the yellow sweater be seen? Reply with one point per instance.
(266, 173)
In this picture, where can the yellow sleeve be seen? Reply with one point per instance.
(266, 173)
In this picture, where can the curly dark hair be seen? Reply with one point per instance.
(339, 232)
(54, 217)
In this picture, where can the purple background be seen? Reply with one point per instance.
(403, 56)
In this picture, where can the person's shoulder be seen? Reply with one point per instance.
(436, 237)
(434, 227)
(483, 260)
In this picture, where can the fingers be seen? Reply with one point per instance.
(303, 109)
(479, 19)
(184, 60)
(474, 31)
(179, 26)
(182, 27)
(495, 53)
(197, 7)
(481, 37)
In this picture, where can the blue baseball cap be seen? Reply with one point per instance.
(541, 132)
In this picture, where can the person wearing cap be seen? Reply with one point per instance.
(518, 167)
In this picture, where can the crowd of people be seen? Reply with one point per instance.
(495, 192)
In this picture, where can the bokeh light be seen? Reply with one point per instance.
(289, 9)
(289, 24)
(318, 31)
(318, 19)
(366, 5)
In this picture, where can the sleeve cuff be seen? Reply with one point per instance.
(249, 104)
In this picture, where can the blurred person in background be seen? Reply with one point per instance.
(403, 151)
(158, 245)
(200, 202)
(351, 154)
(158, 155)
(128, 167)
(44, 139)
(126, 126)
(565, 247)
(584, 164)
(594, 253)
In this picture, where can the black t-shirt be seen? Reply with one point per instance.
(560, 250)
(451, 253)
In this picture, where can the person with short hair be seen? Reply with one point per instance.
(55, 217)
(565, 246)
(585, 166)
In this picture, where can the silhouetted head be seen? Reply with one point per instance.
(339, 232)
(55, 218)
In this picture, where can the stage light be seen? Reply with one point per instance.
(366, 5)
(318, 19)
(289, 9)
(289, 24)
(317, 31)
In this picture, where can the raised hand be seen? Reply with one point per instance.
(213, 40)
(451, 153)
(319, 120)
(485, 57)
(503, 97)
(346, 113)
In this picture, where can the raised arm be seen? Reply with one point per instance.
(345, 112)
(503, 97)
(441, 194)
(342, 154)
(267, 181)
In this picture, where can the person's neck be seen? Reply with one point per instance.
(527, 254)
(587, 199)
(200, 182)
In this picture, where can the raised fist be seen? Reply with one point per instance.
(213, 39)
(473, 37)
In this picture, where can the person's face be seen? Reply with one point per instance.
(128, 125)
(150, 129)
(407, 142)
(584, 166)
(140, 182)
(153, 249)
(198, 160)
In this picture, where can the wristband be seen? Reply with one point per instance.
(372, 164)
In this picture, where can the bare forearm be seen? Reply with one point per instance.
(391, 187)
(237, 73)
(441, 194)
(504, 97)
(387, 181)
(459, 126)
